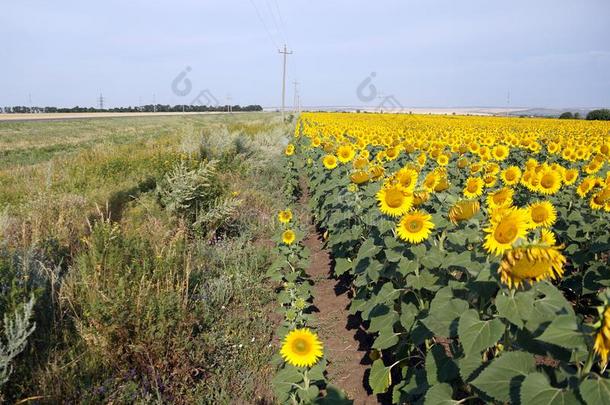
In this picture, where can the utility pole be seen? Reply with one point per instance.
(285, 52)
(101, 101)
(229, 106)
(154, 103)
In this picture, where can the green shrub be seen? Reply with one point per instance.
(600, 115)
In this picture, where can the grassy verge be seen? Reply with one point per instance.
(146, 255)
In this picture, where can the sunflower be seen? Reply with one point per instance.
(585, 186)
(431, 181)
(420, 197)
(463, 210)
(285, 216)
(511, 175)
(376, 172)
(442, 160)
(330, 161)
(415, 227)
(288, 237)
(501, 198)
(549, 181)
(394, 201)
(506, 227)
(360, 162)
(530, 263)
(345, 153)
(500, 152)
(301, 348)
(602, 339)
(407, 178)
(570, 176)
(289, 151)
(542, 214)
(474, 187)
(547, 237)
(442, 185)
(421, 159)
(359, 177)
(599, 200)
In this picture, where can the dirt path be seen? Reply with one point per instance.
(344, 343)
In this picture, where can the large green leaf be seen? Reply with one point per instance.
(596, 391)
(536, 389)
(517, 308)
(468, 365)
(439, 367)
(444, 312)
(440, 394)
(342, 266)
(386, 338)
(563, 331)
(380, 377)
(504, 375)
(476, 335)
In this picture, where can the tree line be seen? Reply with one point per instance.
(143, 108)
(601, 114)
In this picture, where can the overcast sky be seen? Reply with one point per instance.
(444, 53)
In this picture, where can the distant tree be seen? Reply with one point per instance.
(576, 115)
(602, 114)
(566, 116)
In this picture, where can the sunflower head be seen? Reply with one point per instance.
(394, 200)
(530, 263)
(288, 236)
(602, 338)
(542, 214)
(301, 348)
(289, 151)
(501, 198)
(345, 153)
(474, 187)
(415, 227)
(464, 210)
(359, 177)
(507, 226)
(407, 178)
(549, 181)
(329, 161)
(285, 216)
(511, 175)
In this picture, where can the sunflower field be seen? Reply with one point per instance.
(477, 249)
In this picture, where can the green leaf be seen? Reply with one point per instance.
(386, 338)
(342, 266)
(382, 316)
(596, 391)
(457, 260)
(536, 389)
(504, 375)
(444, 312)
(423, 280)
(334, 396)
(440, 394)
(468, 365)
(547, 307)
(380, 377)
(408, 313)
(515, 309)
(476, 335)
(439, 367)
(563, 331)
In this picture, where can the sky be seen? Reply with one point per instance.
(423, 53)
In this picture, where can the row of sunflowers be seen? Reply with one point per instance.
(301, 364)
(478, 249)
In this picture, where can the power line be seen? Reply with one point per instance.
(258, 14)
(273, 19)
(285, 52)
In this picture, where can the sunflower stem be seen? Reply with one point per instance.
(587, 368)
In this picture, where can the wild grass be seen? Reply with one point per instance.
(137, 301)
